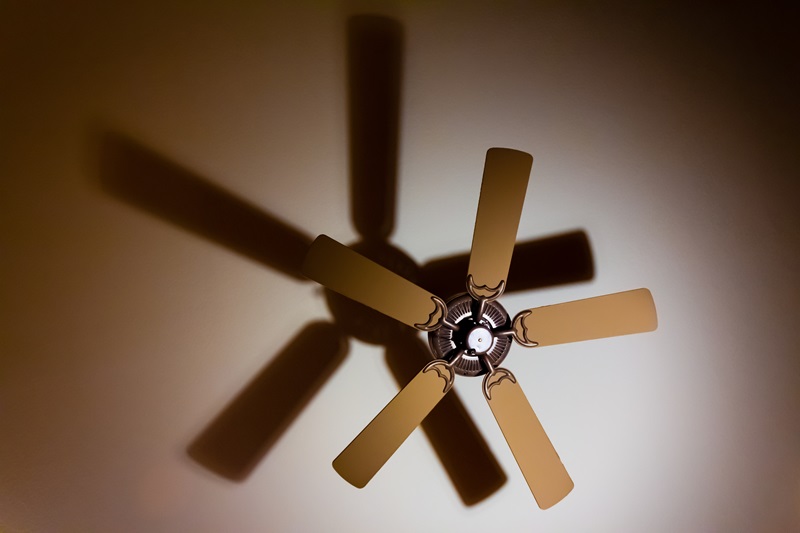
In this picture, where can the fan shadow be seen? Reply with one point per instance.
(238, 438)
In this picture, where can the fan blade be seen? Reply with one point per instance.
(368, 452)
(505, 180)
(461, 448)
(621, 313)
(345, 271)
(537, 458)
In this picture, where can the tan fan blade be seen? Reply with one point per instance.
(537, 458)
(505, 180)
(368, 452)
(349, 273)
(621, 313)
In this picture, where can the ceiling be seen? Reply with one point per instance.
(668, 136)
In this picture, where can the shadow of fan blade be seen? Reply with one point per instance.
(147, 180)
(234, 443)
(464, 453)
(374, 53)
(545, 262)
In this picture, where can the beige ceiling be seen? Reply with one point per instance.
(668, 136)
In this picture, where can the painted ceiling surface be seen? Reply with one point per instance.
(164, 366)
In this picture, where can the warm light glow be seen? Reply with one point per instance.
(164, 168)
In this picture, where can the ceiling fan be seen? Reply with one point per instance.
(243, 432)
(471, 334)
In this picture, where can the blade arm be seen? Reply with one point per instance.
(621, 313)
(370, 450)
(537, 458)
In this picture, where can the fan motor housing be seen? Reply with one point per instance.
(473, 337)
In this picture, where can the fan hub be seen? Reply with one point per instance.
(474, 336)
(479, 339)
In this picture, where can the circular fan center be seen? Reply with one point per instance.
(479, 339)
(474, 338)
